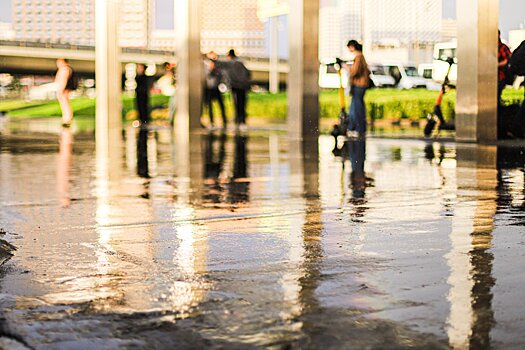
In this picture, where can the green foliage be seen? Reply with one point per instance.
(389, 104)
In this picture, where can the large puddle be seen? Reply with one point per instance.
(233, 241)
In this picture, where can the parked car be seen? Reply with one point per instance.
(426, 71)
(380, 77)
(405, 76)
(329, 79)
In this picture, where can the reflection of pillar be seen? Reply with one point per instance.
(189, 68)
(300, 284)
(476, 108)
(191, 253)
(471, 317)
(108, 70)
(274, 55)
(303, 85)
(312, 229)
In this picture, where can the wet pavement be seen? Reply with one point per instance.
(254, 241)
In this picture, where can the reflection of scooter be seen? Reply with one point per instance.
(340, 129)
(437, 115)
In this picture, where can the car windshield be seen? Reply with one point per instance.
(411, 71)
(330, 68)
(378, 70)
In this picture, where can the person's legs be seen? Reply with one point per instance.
(209, 99)
(351, 114)
(235, 96)
(142, 106)
(172, 107)
(221, 105)
(360, 109)
(65, 107)
(242, 106)
(501, 86)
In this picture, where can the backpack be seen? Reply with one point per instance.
(516, 64)
(72, 81)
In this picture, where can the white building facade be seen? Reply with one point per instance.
(73, 21)
(401, 30)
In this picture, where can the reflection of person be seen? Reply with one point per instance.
(142, 93)
(239, 186)
(142, 154)
(503, 59)
(214, 154)
(359, 81)
(357, 154)
(239, 77)
(213, 76)
(65, 159)
(64, 81)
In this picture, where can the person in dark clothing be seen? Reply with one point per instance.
(503, 59)
(142, 93)
(212, 92)
(239, 77)
(142, 153)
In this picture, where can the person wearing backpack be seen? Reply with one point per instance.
(504, 56)
(240, 81)
(66, 82)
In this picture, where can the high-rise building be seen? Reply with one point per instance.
(402, 30)
(73, 21)
(6, 31)
(339, 22)
(449, 29)
(234, 24)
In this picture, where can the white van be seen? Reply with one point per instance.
(426, 70)
(328, 77)
(405, 76)
(442, 52)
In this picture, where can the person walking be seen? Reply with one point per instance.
(504, 54)
(240, 78)
(142, 93)
(359, 82)
(66, 82)
(213, 79)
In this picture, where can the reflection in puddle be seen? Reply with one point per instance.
(256, 239)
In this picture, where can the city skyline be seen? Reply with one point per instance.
(511, 13)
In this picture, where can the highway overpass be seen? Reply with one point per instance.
(34, 58)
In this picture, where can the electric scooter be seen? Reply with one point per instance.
(340, 129)
(437, 115)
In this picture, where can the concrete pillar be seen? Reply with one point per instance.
(303, 86)
(108, 80)
(108, 69)
(274, 55)
(189, 66)
(476, 107)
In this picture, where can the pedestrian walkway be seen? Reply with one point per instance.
(245, 241)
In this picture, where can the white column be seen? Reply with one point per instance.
(108, 69)
(303, 85)
(476, 107)
(189, 65)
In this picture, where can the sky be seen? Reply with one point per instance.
(512, 13)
